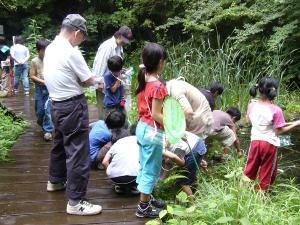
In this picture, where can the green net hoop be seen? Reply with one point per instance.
(174, 120)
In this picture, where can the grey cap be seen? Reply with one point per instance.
(126, 33)
(77, 21)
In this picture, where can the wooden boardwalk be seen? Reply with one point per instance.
(23, 195)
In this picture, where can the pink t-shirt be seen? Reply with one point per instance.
(265, 118)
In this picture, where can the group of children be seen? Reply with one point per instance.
(148, 149)
(133, 159)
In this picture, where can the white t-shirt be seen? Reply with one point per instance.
(19, 52)
(124, 158)
(192, 140)
(106, 50)
(64, 69)
(265, 118)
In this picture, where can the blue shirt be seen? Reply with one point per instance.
(110, 98)
(98, 137)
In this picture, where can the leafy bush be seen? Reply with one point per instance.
(10, 129)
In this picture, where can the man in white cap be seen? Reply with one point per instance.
(109, 48)
(65, 72)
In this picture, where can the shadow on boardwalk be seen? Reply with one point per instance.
(23, 195)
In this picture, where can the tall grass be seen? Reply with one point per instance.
(200, 65)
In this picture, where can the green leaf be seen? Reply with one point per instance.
(182, 197)
(183, 222)
(170, 209)
(163, 213)
(153, 222)
(224, 220)
(230, 175)
(244, 221)
(190, 209)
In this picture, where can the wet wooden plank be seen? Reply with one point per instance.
(54, 217)
(59, 205)
(23, 195)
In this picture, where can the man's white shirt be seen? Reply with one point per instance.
(106, 50)
(64, 69)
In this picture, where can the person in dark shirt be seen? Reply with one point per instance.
(214, 90)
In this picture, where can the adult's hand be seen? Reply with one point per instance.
(189, 115)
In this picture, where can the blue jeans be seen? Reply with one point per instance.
(192, 164)
(21, 70)
(43, 108)
(151, 147)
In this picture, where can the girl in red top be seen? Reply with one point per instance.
(150, 95)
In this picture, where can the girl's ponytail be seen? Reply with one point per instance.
(253, 91)
(152, 55)
(267, 88)
(272, 93)
(141, 79)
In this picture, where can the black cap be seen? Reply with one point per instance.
(77, 21)
(126, 33)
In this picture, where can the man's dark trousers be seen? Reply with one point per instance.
(70, 158)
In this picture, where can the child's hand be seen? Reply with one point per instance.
(123, 101)
(100, 87)
(203, 164)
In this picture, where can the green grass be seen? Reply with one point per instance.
(10, 129)
(200, 65)
(227, 197)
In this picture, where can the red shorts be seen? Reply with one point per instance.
(263, 156)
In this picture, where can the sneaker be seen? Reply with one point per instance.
(84, 208)
(157, 203)
(56, 187)
(47, 136)
(119, 190)
(149, 212)
(26, 93)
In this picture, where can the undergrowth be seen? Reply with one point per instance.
(10, 129)
(226, 196)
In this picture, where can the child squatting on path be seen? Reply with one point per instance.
(267, 123)
(150, 95)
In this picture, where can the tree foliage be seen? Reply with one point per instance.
(267, 25)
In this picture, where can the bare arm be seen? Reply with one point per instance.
(174, 158)
(114, 88)
(237, 143)
(103, 151)
(25, 59)
(106, 161)
(287, 128)
(156, 110)
(13, 57)
(33, 73)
